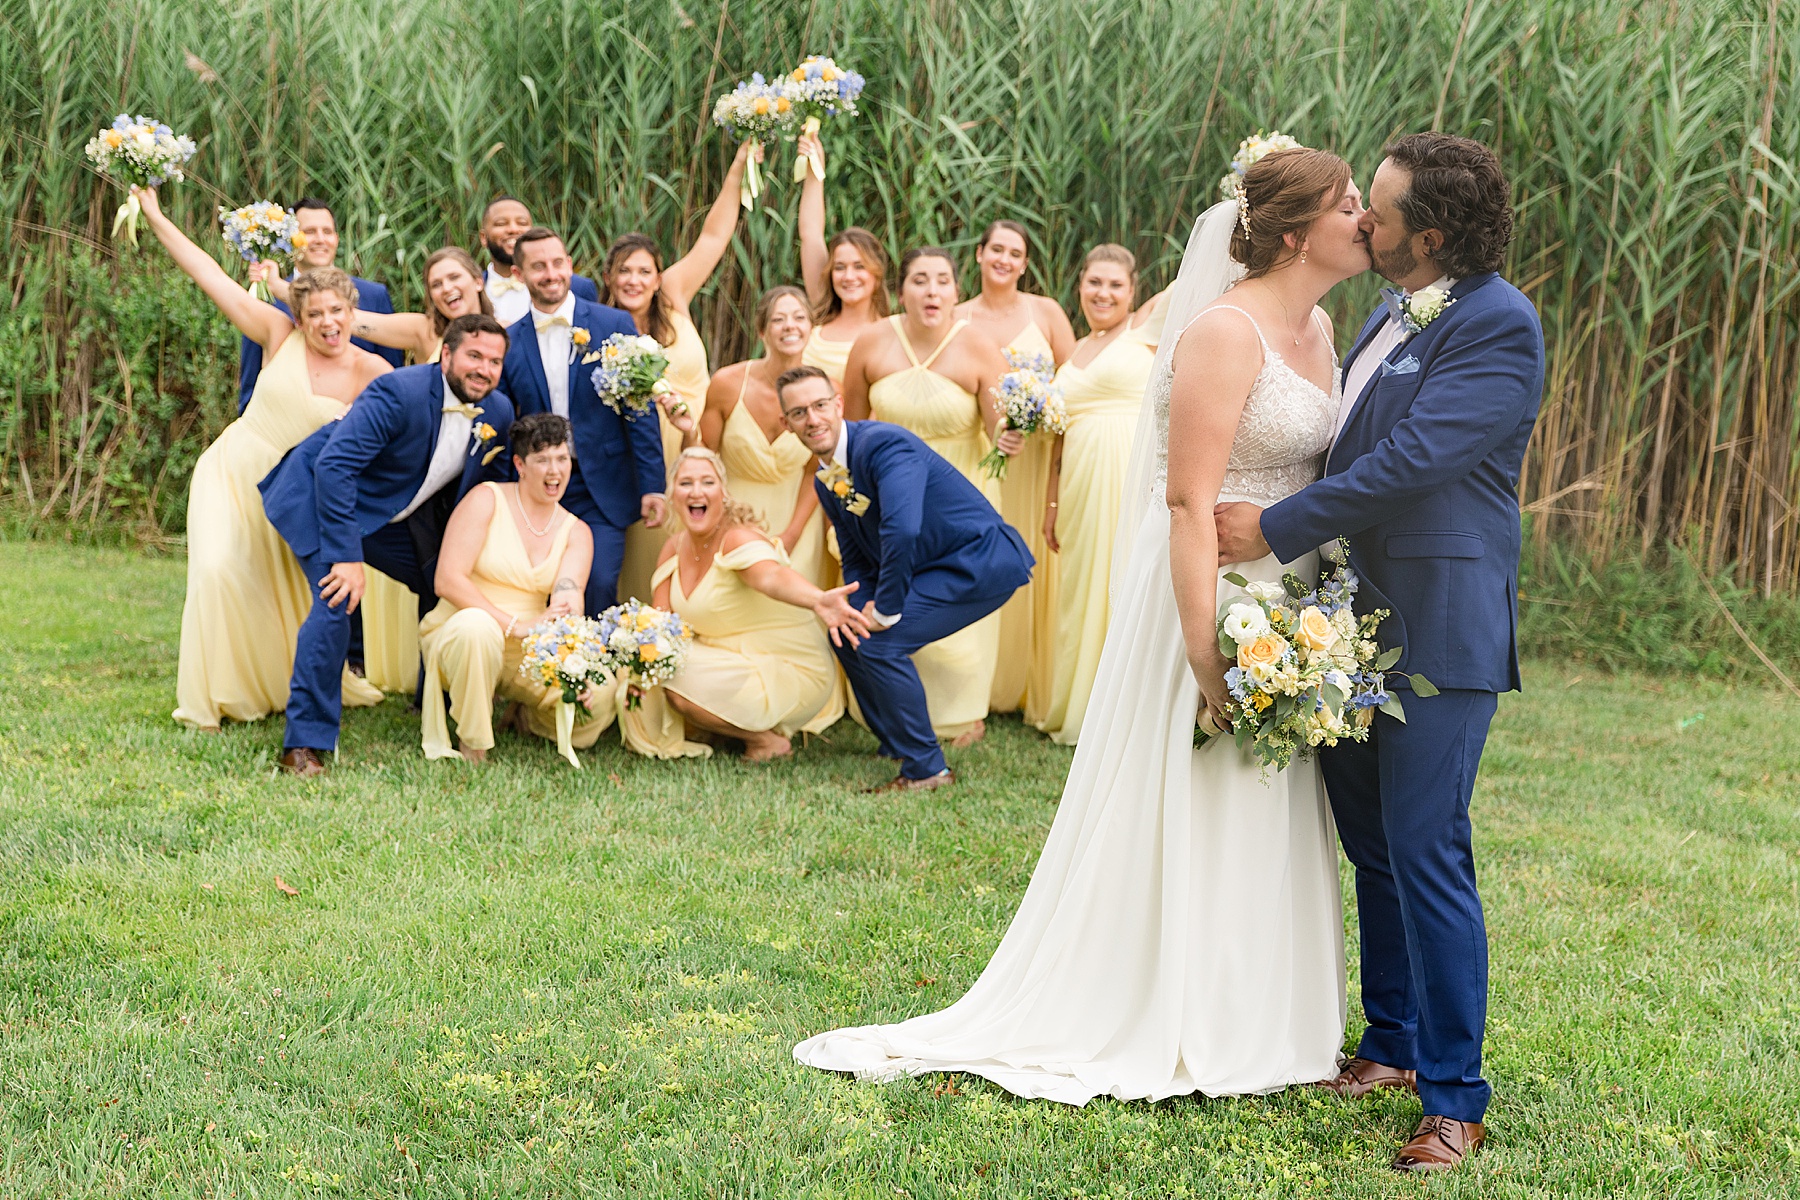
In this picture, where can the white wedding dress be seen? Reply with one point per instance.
(1182, 931)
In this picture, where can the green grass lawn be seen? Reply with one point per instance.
(531, 982)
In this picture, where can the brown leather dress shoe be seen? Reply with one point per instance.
(901, 783)
(302, 762)
(1360, 1076)
(1440, 1144)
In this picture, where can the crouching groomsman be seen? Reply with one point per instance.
(618, 474)
(920, 542)
(376, 488)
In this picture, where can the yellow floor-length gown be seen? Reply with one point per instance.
(246, 594)
(468, 653)
(768, 477)
(1028, 620)
(755, 661)
(958, 672)
(828, 355)
(1103, 401)
(688, 376)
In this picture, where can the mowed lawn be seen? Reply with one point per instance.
(526, 981)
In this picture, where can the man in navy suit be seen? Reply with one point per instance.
(502, 221)
(920, 541)
(618, 476)
(320, 227)
(375, 488)
(1439, 402)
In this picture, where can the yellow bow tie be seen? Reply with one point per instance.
(543, 321)
(468, 410)
(499, 285)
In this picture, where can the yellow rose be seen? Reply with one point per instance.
(841, 487)
(298, 241)
(1265, 651)
(647, 652)
(1315, 631)
(646, 618)
(799, 74)
(113, 138)
(782, 104)
(761, 107)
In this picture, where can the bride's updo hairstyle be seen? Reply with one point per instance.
(1286, 191)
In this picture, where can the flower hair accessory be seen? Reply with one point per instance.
(1251, 151)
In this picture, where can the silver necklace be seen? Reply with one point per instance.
(536, 532)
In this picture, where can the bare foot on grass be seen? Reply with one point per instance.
(766, 747)
(473, 755)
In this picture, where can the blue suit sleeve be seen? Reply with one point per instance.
(366, 429)
(585, 288)
(643, 432)
(1484, 380)
(900, 473)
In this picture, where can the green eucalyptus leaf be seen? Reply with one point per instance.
(1422, 686)
(1393, 708)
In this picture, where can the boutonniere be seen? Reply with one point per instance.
(483, 434)
(1423, 307)
(836, 479)
(578, 339)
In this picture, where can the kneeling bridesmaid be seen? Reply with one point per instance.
(759, 668)
(512, 557)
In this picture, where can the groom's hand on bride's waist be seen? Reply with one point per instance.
(1239, 527)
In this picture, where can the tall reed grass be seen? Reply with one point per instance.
(1651, 147)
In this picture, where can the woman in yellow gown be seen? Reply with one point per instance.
(1025, 326)
(512, 556)
(759, 668)
(389, 609)
(635, 280)
(246, 595)
(947, 398)
(846, 277)
(1103, 390)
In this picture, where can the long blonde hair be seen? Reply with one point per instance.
(736, 511)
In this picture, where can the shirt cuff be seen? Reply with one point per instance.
(882, 619)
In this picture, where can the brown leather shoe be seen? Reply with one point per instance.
(901, 783)
(1359, 1076)
(1440, 1144)
(302, 762)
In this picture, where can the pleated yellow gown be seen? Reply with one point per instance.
(688, 376)
(756, 662)
(829, 356)
(1103, 400)
(246, 594)
(1027, 621)
(958, 672)
(768, 477)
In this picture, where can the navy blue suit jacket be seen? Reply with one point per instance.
(926, 526)
(620, 460)
(370, 297)
(1424, 483)
(584, 288)
(355, 475)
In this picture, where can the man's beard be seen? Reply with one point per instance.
(501, 257)
(455, 383)
(1395, 265)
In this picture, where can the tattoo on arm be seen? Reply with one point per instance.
(565, 584)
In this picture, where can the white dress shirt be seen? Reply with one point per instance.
(841, 456)
(507, 295)
(1380, 345)
(446, 457)
(553, 338)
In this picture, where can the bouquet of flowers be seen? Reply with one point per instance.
(566, 655)
(758, 109)
(1029, 401)
(260, 231)
(138, 152)
(820, 88)
(1308, 671)
(644, 644)
(630, 375)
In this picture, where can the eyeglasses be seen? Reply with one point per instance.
(818, 408)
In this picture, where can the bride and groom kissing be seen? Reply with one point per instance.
(1182, 931)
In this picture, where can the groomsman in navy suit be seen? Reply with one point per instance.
(920, 541)
(1441, 391)
(375, 488)
(320, 227)
(618, 476)
(502, 221)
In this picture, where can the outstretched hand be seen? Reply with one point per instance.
(146, 198)
(653, 509)
(841, 619)
(1239, 526)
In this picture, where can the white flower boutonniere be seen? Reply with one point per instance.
(1424, 306)
(836, 479)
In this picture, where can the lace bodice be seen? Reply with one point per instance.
(1282, 437)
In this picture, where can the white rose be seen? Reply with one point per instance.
(1339, 680)
(1428, 304)
(622, 640)
(1264, 590)
(576, 666)
(648, 344)
(145, 139)
(1261, 674)
(1245, 623)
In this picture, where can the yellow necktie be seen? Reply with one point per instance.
(543, 321)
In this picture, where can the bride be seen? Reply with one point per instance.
(1182, 931)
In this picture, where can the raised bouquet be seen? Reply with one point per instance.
(630, 375)
(1029, 401)
(1308, 671)
(568, 655)
(138, 152)
(643, 644)
(757, 109)
(819, 89)
(261, 231)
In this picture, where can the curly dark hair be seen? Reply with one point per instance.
(539, 431)
(1459, 190)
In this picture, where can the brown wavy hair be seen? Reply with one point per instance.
(1286, 192)
(872, 255)
(463, 259)
(1459, 190)
(765, 305)
(320, 279)
(661, 325)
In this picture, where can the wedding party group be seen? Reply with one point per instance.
(1268, 595)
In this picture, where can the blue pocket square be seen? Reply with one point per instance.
(1406, 366)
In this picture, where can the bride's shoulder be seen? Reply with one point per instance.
(1220, 327)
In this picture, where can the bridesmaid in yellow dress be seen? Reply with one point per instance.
(929, 372)
(1031, 325)
(1103, 388)
(634, 279)
(846, 278)
(759, 667)
(246, 596)
(390, 610)
(512, 556)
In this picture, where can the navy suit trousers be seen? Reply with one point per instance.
(609, 548)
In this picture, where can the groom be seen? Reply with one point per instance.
(1441, 390)
(920, 542)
